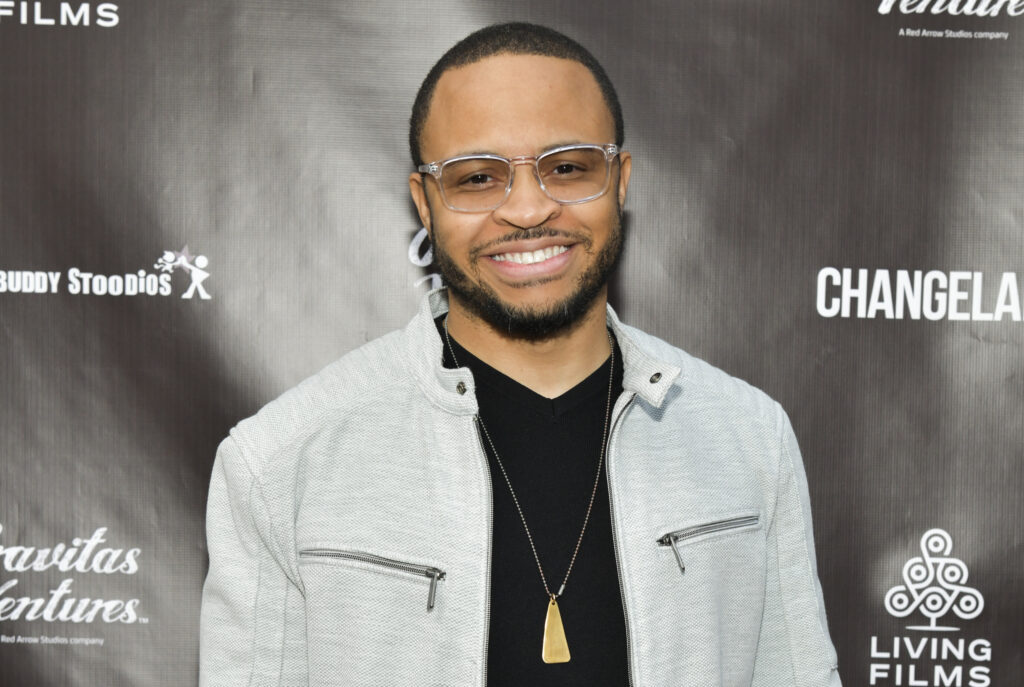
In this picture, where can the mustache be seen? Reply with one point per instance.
(527, 234)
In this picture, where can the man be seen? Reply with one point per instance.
(517, 489)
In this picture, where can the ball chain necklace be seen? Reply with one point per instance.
(555, 648)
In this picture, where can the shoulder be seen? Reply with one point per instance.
(703, 385)
(373, 370)
(712, 423)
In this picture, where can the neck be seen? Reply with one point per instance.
(549, 367)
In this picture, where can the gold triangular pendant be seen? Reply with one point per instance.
(556, 649)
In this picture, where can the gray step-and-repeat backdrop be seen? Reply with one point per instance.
(202, 203)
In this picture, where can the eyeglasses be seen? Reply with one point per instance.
(480, 183)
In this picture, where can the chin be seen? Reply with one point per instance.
(528, 321)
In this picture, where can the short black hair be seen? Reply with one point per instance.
(515, 38)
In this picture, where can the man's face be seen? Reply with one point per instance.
(513, 105)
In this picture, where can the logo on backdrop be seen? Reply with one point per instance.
(934, 586)
(976, 8)
(69, 14)
(62, 604)
(933, 583)
(953, 8)
(905, 294)
(80, 282)
(422, 258)
(172, 260)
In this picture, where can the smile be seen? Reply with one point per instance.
(531, 257)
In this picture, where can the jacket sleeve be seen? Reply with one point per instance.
(242, 623)
(794, 599)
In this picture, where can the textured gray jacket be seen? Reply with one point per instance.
(349, 528)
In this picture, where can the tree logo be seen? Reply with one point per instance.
(934, 583)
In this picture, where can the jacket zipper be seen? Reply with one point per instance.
(674, 538)
(490, 539)
(615, 539)
(434, 574)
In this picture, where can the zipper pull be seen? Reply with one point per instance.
(434, 574)
(669, 540)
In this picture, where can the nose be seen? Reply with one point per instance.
(527, 205)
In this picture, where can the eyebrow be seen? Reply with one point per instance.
(491, 152)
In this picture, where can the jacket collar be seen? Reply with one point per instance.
(645, 375)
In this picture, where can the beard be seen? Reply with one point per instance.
(533, 323)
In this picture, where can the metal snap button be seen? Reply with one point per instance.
(461, 388)
(655, 377)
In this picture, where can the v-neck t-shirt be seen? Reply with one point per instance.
(550, 449)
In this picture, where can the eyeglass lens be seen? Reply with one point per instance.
(480, 183)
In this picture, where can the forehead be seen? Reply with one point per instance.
(515, 105)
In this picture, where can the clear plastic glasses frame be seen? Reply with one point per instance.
(488, 198)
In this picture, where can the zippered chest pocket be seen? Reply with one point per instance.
(375, 563)
(363, 610)
(679, 540)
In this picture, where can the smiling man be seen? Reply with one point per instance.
(516, 489)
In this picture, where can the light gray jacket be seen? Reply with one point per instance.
(349, 528)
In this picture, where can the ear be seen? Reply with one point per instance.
(625, 168)
(418, 191)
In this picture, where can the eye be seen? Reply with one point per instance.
(563, 171)
(474, 174)
(476, 180)
(566, 168)
(571, 165)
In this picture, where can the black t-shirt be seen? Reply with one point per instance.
(550, 449)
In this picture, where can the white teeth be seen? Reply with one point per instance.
(530, 258)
